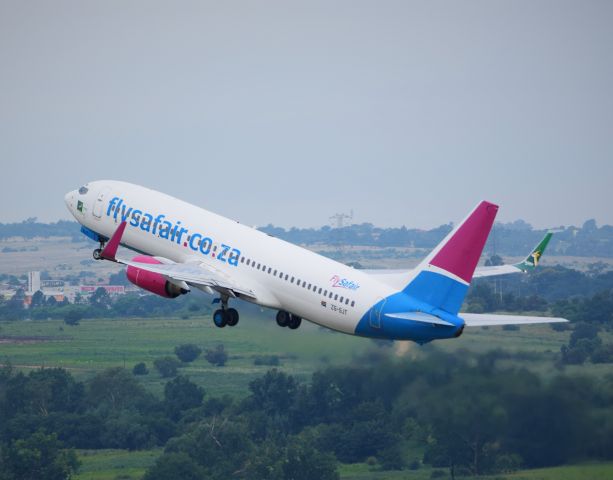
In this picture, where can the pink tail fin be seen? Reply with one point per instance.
(459, 253)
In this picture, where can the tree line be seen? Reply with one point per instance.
(514, 238)
(469, 414)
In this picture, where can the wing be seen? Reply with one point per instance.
(198, 274)
(487, 319)
(527, 264)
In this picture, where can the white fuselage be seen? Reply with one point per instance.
(335, 295)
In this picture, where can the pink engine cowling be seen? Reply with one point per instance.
(150, 281)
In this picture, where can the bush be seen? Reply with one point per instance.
(167, 366)
(560, 327)
(217, 356)
(140, 369)
(188, 352)
(73, 318)
(603, 354)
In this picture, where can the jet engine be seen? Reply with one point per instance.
(152, 282)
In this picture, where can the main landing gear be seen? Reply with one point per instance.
(225, 316)
(286, 319)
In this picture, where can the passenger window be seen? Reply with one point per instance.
(353, 303)
(269, 269)
(341, 300)
(336, 297)
(331, 294)
(319, 290)
(258, 266)
(292, 281)
(286, 276)
(325, 293)
(275, 273)
(347, 301)
(242, 259)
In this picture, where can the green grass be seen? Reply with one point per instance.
(101, 343)
(589, 471)
(98, 344)
(114, 464)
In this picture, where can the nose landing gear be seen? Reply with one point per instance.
(97, 253)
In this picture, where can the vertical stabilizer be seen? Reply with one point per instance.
(442, 278)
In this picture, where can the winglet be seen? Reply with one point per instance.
(532, 260)
(110, 250)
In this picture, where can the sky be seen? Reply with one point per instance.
(407, 112)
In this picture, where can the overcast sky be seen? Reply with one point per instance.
(288, 112)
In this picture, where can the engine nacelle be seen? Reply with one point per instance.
(150, 281)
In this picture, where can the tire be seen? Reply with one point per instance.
(220, 318)
(232, 315)
(282, 318)
(97, 254)
(294, 322)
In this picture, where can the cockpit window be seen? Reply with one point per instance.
(83, 190)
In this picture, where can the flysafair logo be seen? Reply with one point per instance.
(339, 282)
(173, 232)
(535, 257)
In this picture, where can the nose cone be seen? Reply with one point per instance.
(69, 200)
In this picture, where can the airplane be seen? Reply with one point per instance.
(181, 246)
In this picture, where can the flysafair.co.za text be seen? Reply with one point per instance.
(158, 225)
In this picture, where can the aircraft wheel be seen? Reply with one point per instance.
(282, 318)
(232, 315)
(97, 254)
(220, 318)
(294, 322)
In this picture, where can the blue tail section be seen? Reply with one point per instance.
(438, 291)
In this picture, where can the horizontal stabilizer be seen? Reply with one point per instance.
(488, 319)
(420, 317)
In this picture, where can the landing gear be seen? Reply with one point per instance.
(282, 318)
(220, 318)
(97, 254)
(286, 319)
(232, 316)
(225, 316)
(294, 322)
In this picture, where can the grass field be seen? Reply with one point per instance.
(101, 343)
(121, 464)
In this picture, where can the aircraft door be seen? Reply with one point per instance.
(376, 312)
(99, 202)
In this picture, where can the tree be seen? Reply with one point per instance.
(187, 352)
(217, 356)
(304, 462)
(167, 366)
(100, 297)
(36, 457)
(181, 394)
(140, 369)
(115, 389)
(38, 299)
